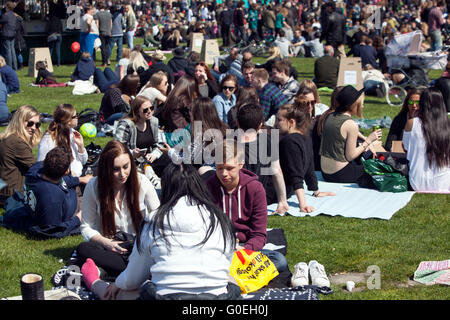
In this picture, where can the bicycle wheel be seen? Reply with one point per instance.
(395, 96)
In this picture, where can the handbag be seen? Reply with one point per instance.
(252, 270)
(52, 37)
(384, 177)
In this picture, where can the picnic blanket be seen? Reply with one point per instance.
(351, 201)
(295, 293)
(433, 272)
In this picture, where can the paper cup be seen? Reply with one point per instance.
(350, 286)
(32, 286)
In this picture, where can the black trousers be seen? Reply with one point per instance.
(226, 35)
(351, 173)
(105, 48)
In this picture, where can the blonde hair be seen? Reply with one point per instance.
(17, 126)
(137, 60)
(126, 53)
(307, 83)
(157, 78)
(275, 52)
(2, 62)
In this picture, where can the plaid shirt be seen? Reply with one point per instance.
(271, 99)
(290, 89)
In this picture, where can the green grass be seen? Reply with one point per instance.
(420, 231)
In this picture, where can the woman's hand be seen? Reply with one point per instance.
(150, 157)
(138, 153)
(413, 114)
(78, 139)
(111, 292)
(282, 207)
(114, 246)
(165, 149)
(321, 194)
(307, 209)
(374, 136)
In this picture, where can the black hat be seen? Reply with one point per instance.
(178, 52)
(348, 96)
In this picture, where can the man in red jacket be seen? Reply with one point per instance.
(242, 198)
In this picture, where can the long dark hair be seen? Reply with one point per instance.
(128, 85)
(204, 110)
(184, 180)
(410, 93)
(435, 127)
(105, 189)
(59, 128)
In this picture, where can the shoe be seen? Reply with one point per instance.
(318, 275)
(380, 92)
(300, 275)
(60, 277)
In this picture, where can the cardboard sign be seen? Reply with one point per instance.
(350, 73)
(196, 40)
(38, 54)
(210, 49)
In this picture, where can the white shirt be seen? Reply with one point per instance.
(84, 20)
(91, 221)
(422, 176)
(79, 159)
(152, 94)
(186, 267)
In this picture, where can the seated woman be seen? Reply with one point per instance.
(183, 260)
(339, 150)
(115, 203)
(296, 154)
(61, 133)
(116, 101)
(139, 131)
(137, 62)
(156, 89)
(44, 76)
(4, 112)
(9, 77)
(122, 65)
(16, 143)
(409, 110)
(226, 99)
(426, 140)
(206, 83)
(309, 91)
(84, 69)
(245, 95)
(275, 55)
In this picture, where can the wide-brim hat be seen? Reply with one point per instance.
(348, 96)
(158, 55)
(178, 52)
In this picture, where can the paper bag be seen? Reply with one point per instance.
(350, 73)
(210, 49)
(39, 54)
(196, 42)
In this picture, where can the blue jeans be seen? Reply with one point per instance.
(103, 79)
(9, 52)
(56, 45)
(130, 35)
(114, 117)
(119, 41)
(4, 112)
(277, 258)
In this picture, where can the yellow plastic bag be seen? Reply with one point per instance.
(252, 270)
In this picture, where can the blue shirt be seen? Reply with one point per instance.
(223, 105)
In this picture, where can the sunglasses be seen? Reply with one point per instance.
(32, 123)
(228, 88)
(412, 102)
(76, 116)
(147, 109)
(311, 103)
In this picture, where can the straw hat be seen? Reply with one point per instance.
(158, 55)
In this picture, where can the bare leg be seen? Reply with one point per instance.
(99, 289)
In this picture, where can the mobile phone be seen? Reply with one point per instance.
(143, 150)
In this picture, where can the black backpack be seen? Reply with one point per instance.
(88, 115)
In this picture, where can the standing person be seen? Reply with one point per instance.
(226, 21)
(435, 23)
(239, 22)
(184, 260)
(226, 99)
(89, 31)
(116, 31)
(269, 18)
(131, 24)
(16, 143)
(115, 203)
(57, 11)
(104, 20)
(339, 149)
(296, 154)
(426, 140)
(242, 198)
(19, 41)
(8, 21)
(61, 133)
(253, 21)
(334, 29)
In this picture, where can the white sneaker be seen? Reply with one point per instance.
(318, 275)
(151, 175)
(300, 276)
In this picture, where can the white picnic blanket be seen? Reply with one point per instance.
(351, 201)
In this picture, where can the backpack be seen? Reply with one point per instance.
(88, 115)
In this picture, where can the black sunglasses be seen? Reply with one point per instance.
(228, 88)
(149, 108)
(32, 123)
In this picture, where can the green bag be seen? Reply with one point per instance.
(385, 178)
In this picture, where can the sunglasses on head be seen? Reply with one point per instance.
(32, 123)
(228, 88)
(147, 109)
(411, 102)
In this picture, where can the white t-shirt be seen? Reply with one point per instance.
(122, 62)
(422, 176)
(84, 20)
(91, 220)
(152, 94)
(186, 267)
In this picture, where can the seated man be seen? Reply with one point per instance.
(242, 197)
(270, 97)
(222, 63)
(236, 67)
(326, 69)
(50, 206)
(247, 70)
(287, 84)
(283, 44)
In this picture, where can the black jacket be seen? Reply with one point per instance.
(8, 21)
(177, 64)
(334, 32)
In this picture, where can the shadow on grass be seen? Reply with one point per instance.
(60, 253)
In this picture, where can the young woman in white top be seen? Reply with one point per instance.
(115, 203)
(156, 89)
(426, 140)
(61, 133)
(186, 247)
